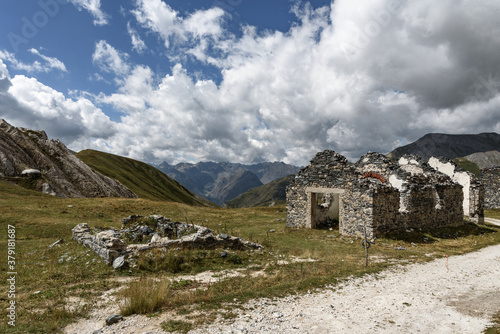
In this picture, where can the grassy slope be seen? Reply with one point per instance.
(468, 165)
(264, 195)
(146, 181)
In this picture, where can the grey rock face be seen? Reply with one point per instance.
(62, 173)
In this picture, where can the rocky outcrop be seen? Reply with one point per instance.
(61, 172)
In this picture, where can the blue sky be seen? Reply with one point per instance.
(248, 81)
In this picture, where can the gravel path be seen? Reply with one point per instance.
(455, 295)
(459, 294)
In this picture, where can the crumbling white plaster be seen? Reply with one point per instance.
(396, 182)
(412, 169)
(462, 178)
(399, 185)
(404, 161)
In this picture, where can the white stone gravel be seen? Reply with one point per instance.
(458, 294)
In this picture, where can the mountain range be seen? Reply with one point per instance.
(222, 182)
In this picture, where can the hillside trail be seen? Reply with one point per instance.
(459, 294)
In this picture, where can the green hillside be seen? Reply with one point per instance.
(468, 165)
(144, 180)
(274, 191)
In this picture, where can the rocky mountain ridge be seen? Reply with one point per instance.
(61, 173)
(221, 182)
(484, 159)
(449, 145)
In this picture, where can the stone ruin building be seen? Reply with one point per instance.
(381, 196)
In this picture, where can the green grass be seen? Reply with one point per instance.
(468, 166)
(176, 326)
(45, 284)
(144, 180)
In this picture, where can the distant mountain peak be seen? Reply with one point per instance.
(450, 146)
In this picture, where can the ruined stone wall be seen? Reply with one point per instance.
(328, 170)
(357, 207)
(476, 200)
(296, 205)
(490, 178)
(111, 246)
(432, 206)
(379, 195)
(386, 216)
(473, 192)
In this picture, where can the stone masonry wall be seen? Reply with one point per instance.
(490, 178)
(386, 209)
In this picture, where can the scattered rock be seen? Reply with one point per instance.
(60, 241)
(113, 319)
(110, 244)
(400, 248)
(272, 231)
(119, 262)
(156, 238)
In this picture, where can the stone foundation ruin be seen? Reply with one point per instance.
(152, 232)
(381, 196)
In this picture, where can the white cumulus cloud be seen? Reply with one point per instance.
(94, 8)
(49, 63)
(352, 76)
(138, 44)
(29, 103)
(109, 59)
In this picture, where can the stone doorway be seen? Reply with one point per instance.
(324, 207)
